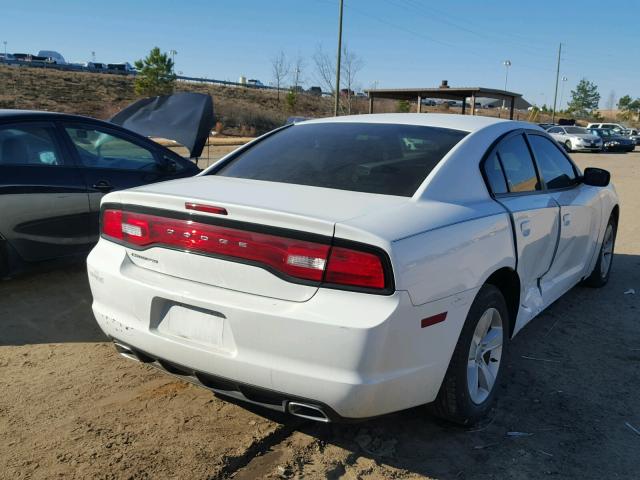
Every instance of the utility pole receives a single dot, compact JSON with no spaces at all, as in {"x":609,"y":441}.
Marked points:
{"x":5,"y":49}
{"x":337,"y":102}
{"x":555,"y":96}
{"x":173,"y":60}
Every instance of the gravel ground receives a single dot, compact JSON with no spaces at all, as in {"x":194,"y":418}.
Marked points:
{"x":70,"y":407}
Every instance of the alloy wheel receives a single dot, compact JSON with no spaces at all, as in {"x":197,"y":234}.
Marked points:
{"x":485,"y":354}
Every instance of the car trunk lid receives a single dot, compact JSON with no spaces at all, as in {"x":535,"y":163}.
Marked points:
{"x":270,"y":212}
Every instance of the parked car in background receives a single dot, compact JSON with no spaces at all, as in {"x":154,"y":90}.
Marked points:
{"x":613,"y":142}
{"x":575,"y":139}
{"x":255,"y":83}
{"x":607,"y":126}
{"x":355,"y":266}
{"x":633,"y":134}
{"x":316,"y":91}
{"x":54,"y":170}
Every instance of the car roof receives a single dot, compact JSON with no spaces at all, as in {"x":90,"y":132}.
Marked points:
{"x":467,"y":123}
{"x":26,"y":114}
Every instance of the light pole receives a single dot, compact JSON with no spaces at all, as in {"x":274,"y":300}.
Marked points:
{"x":5,"y":49}
{"x":337,"y":102}
{"x":93,"y":56}
{"x":564,"y":79}
{"x":507,"y":64}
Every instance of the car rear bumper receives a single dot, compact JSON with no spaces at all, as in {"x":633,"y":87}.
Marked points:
{"x":355,"y":355}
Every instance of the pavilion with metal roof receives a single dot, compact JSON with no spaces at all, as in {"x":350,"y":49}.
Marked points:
{"x":445,"y":92}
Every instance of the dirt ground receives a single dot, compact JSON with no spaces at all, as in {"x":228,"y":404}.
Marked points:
{"x":71,"y":408}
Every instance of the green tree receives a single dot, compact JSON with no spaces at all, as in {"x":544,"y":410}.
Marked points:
{"x":291,"y":99}
{"x":404,"y":106}
{"x":628,"y":107}
{"x":155,"y":74}
{"x":584,"y":99}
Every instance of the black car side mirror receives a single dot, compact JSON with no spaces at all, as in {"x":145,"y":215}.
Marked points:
{"x":596,"y":177}
{"x":168,"y":165}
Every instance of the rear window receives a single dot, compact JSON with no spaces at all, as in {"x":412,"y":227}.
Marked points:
{"x":361,"y":157}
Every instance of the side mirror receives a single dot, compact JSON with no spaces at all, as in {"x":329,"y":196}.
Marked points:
{"x":596,"y":177}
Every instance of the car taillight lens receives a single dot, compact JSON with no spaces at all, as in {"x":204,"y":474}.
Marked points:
{"x":300,"y":259}
{"x":353,"y":267}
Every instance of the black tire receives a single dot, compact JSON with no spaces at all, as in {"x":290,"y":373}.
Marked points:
{"x":454,"y":401}
{"x":567,"y":146}
{"x":598,"y":277}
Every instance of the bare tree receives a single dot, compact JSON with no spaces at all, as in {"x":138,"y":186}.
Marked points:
{"x":280,"y":69}
{"x":297,"y":71}
{"x":351,"y":66}
{"x":325,"y":69}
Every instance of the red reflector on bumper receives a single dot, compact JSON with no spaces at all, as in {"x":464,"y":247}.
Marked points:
{"x":427,"y":322}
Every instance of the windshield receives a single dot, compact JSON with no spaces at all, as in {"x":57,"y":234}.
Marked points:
{"x":362,"y":157}
{"x":576,"y":130}
{"x":600,"y":132}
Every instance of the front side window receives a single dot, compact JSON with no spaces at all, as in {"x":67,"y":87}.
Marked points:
{"x":555,"y":168}
{"x":100,"y":149}
{"x":29,"y":145}
{"x":518,"y":165}
{"x":363,"y":157}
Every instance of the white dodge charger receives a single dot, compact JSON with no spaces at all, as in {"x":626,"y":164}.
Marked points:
{"x":349,"y":267}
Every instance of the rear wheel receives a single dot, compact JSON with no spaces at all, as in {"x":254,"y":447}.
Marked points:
{"x":600,"y":275}
{"x":469,"y":387}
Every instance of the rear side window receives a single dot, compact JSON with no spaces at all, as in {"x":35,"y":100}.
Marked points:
{"x":555,"y":168}
{"x":493,"y":172}
{"x":361,"y":157}
{"x":29,"y":145}
{"x":518,"y":165}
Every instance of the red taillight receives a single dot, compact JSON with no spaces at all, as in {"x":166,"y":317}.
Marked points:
{"x":301,"y":259}
{"x":112,"y":223}
{"x":356,"y":268}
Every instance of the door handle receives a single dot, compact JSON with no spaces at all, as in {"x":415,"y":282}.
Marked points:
{"x":566,"y":219}
{"x":525,"y":227}
{"x":102,"y":186}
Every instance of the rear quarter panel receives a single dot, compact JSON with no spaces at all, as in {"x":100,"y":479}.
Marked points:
{"x":452,"y":259}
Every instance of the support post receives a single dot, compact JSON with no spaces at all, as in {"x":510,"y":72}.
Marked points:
{"x":512,"y":107}
{"x":419,"y":109}
{"x":473,"y":104}
{"x":370,"y":104}
{"x":464,"y":105}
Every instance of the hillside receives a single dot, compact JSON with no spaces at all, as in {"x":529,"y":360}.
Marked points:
{"x":242,"y":111}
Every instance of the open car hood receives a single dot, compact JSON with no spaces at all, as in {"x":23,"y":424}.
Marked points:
{"x":184,"y":117}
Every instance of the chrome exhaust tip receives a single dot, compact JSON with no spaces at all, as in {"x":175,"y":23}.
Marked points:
{"x":125,"y":351}
{"x":307,"y":411}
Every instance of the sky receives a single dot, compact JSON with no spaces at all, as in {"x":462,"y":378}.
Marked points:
{"x":402,"y":43}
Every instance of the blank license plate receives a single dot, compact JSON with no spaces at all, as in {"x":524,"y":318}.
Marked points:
{"x":194,"y":325}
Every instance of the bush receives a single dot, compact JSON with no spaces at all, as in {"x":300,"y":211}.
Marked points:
{"x":404,"y":106}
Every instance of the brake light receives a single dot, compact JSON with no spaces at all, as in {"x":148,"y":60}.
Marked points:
{"x":354,"y":267}
{"x":300,"y":259}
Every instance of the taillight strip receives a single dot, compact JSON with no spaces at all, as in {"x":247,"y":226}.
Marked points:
{"x":321,"y":260}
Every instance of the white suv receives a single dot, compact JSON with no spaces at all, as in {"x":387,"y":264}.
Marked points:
{"x":607,"y":126}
